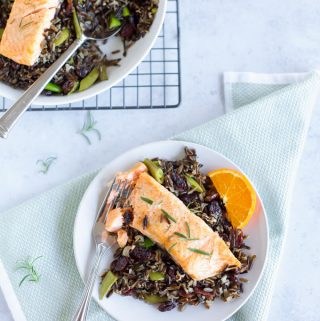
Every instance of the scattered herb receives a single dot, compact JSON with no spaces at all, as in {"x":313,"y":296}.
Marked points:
{"x":28,"y":266}
{"x":190,"y":239}
{"x":145,"y":222}
{"x":168,"y":216}
{"x":46,"y":164}
{"x":89,"y":126}
{"x":147,"y":200}
{"x":188,"y":229}
{"x":199,"y":251}
{"x":171,"y":247}
{"x":180,"y":234}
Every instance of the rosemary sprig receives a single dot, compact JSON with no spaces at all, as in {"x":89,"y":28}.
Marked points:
{"x":89,"y":126}
{"x":27,"y":265}
{"x":46,"y":164}
{"x":147,"y":200}
{"x":168,"y":216}
{"x":180,"y":235}
{"x":198,"y":251}
{"x":171,"y":247}
{"x":188,"y":230}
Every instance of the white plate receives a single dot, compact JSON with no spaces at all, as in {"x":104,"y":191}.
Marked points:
{"x":136,"y":310}
{"x":127,"y":64}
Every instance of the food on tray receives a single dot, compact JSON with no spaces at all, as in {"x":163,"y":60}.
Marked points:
{"x":177,"y":244}
{"x":34,"y":33}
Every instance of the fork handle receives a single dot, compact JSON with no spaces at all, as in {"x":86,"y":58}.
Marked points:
{"x":82,"y":311}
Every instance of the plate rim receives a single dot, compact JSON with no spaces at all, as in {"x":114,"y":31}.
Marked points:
{"x":14,"y":94}
{"x":195,"y":145}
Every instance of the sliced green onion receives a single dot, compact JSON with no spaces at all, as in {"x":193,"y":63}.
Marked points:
{"x":90,"y":79}
{"x":154,"y":10}
{"x":194,"y":184}
{"x":103,"y":73}
{"x":76,"y":24}
{"x":53,"y":87}
{"x":107,"y":284}
{"x":64,"y":36}
{"x":1,"y":32}
{"x":74,"y":88}
{"x":126,"y":12}
{"x":114,"y":22}
{"x":147,"y":243}
{"x":155,"y":171}
{"x":156,"y":276}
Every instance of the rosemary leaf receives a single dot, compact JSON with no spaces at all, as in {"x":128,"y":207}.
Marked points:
{"x":46,"y":164}
{"x":31,"y":273}
{"x":89,"y":127}
{"x":147,"y":200}
{"x":168,"y":216}
{"x":198,"y":251}
{"x":171,"y":247}
{"x":181,"y":235}
{"x":188,"y":230}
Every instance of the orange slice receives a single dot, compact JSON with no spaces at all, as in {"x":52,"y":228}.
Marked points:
{"x":237,"y":194}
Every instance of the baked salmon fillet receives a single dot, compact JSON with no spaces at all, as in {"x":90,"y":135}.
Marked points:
{"x":192,"y":244}
{"x":23,"y":35}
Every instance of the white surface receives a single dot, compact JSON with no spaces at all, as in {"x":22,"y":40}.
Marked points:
{"x":136,"y":54}
{"x":261,"y":36}
{"x":84,"y":248}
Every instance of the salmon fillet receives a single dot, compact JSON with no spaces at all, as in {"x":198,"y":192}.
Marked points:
{"x":162,"y":217}
{"x":23,"y":35}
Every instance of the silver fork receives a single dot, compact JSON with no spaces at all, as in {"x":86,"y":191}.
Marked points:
{"x":103,"y":240}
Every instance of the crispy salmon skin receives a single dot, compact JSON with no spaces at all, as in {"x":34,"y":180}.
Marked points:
{"x":23,"y":35}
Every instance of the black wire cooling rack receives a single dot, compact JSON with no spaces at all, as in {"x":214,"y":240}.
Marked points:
{"x":155,"y":83}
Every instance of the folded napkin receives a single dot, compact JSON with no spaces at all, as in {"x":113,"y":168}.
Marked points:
{"x":265,"y":137}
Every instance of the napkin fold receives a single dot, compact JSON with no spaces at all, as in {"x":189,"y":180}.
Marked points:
{"x":265,"y":137}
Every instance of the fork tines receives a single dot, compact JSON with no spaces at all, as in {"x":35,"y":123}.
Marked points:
{"x":117,"y":196}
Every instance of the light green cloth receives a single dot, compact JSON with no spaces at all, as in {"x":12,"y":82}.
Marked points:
{"x":265,"y":138}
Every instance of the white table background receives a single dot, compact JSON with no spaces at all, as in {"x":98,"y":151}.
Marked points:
{"x":261,"y":36}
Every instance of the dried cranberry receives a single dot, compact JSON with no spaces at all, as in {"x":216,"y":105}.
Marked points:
{"x":184,"y":294}
{"x":166,"y":306}
{"x":140,"y":254}
{"x":199,"y":291}
{"x":119,"y":264}
{"x":179,"y":182}
{"x":127,"y":292}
